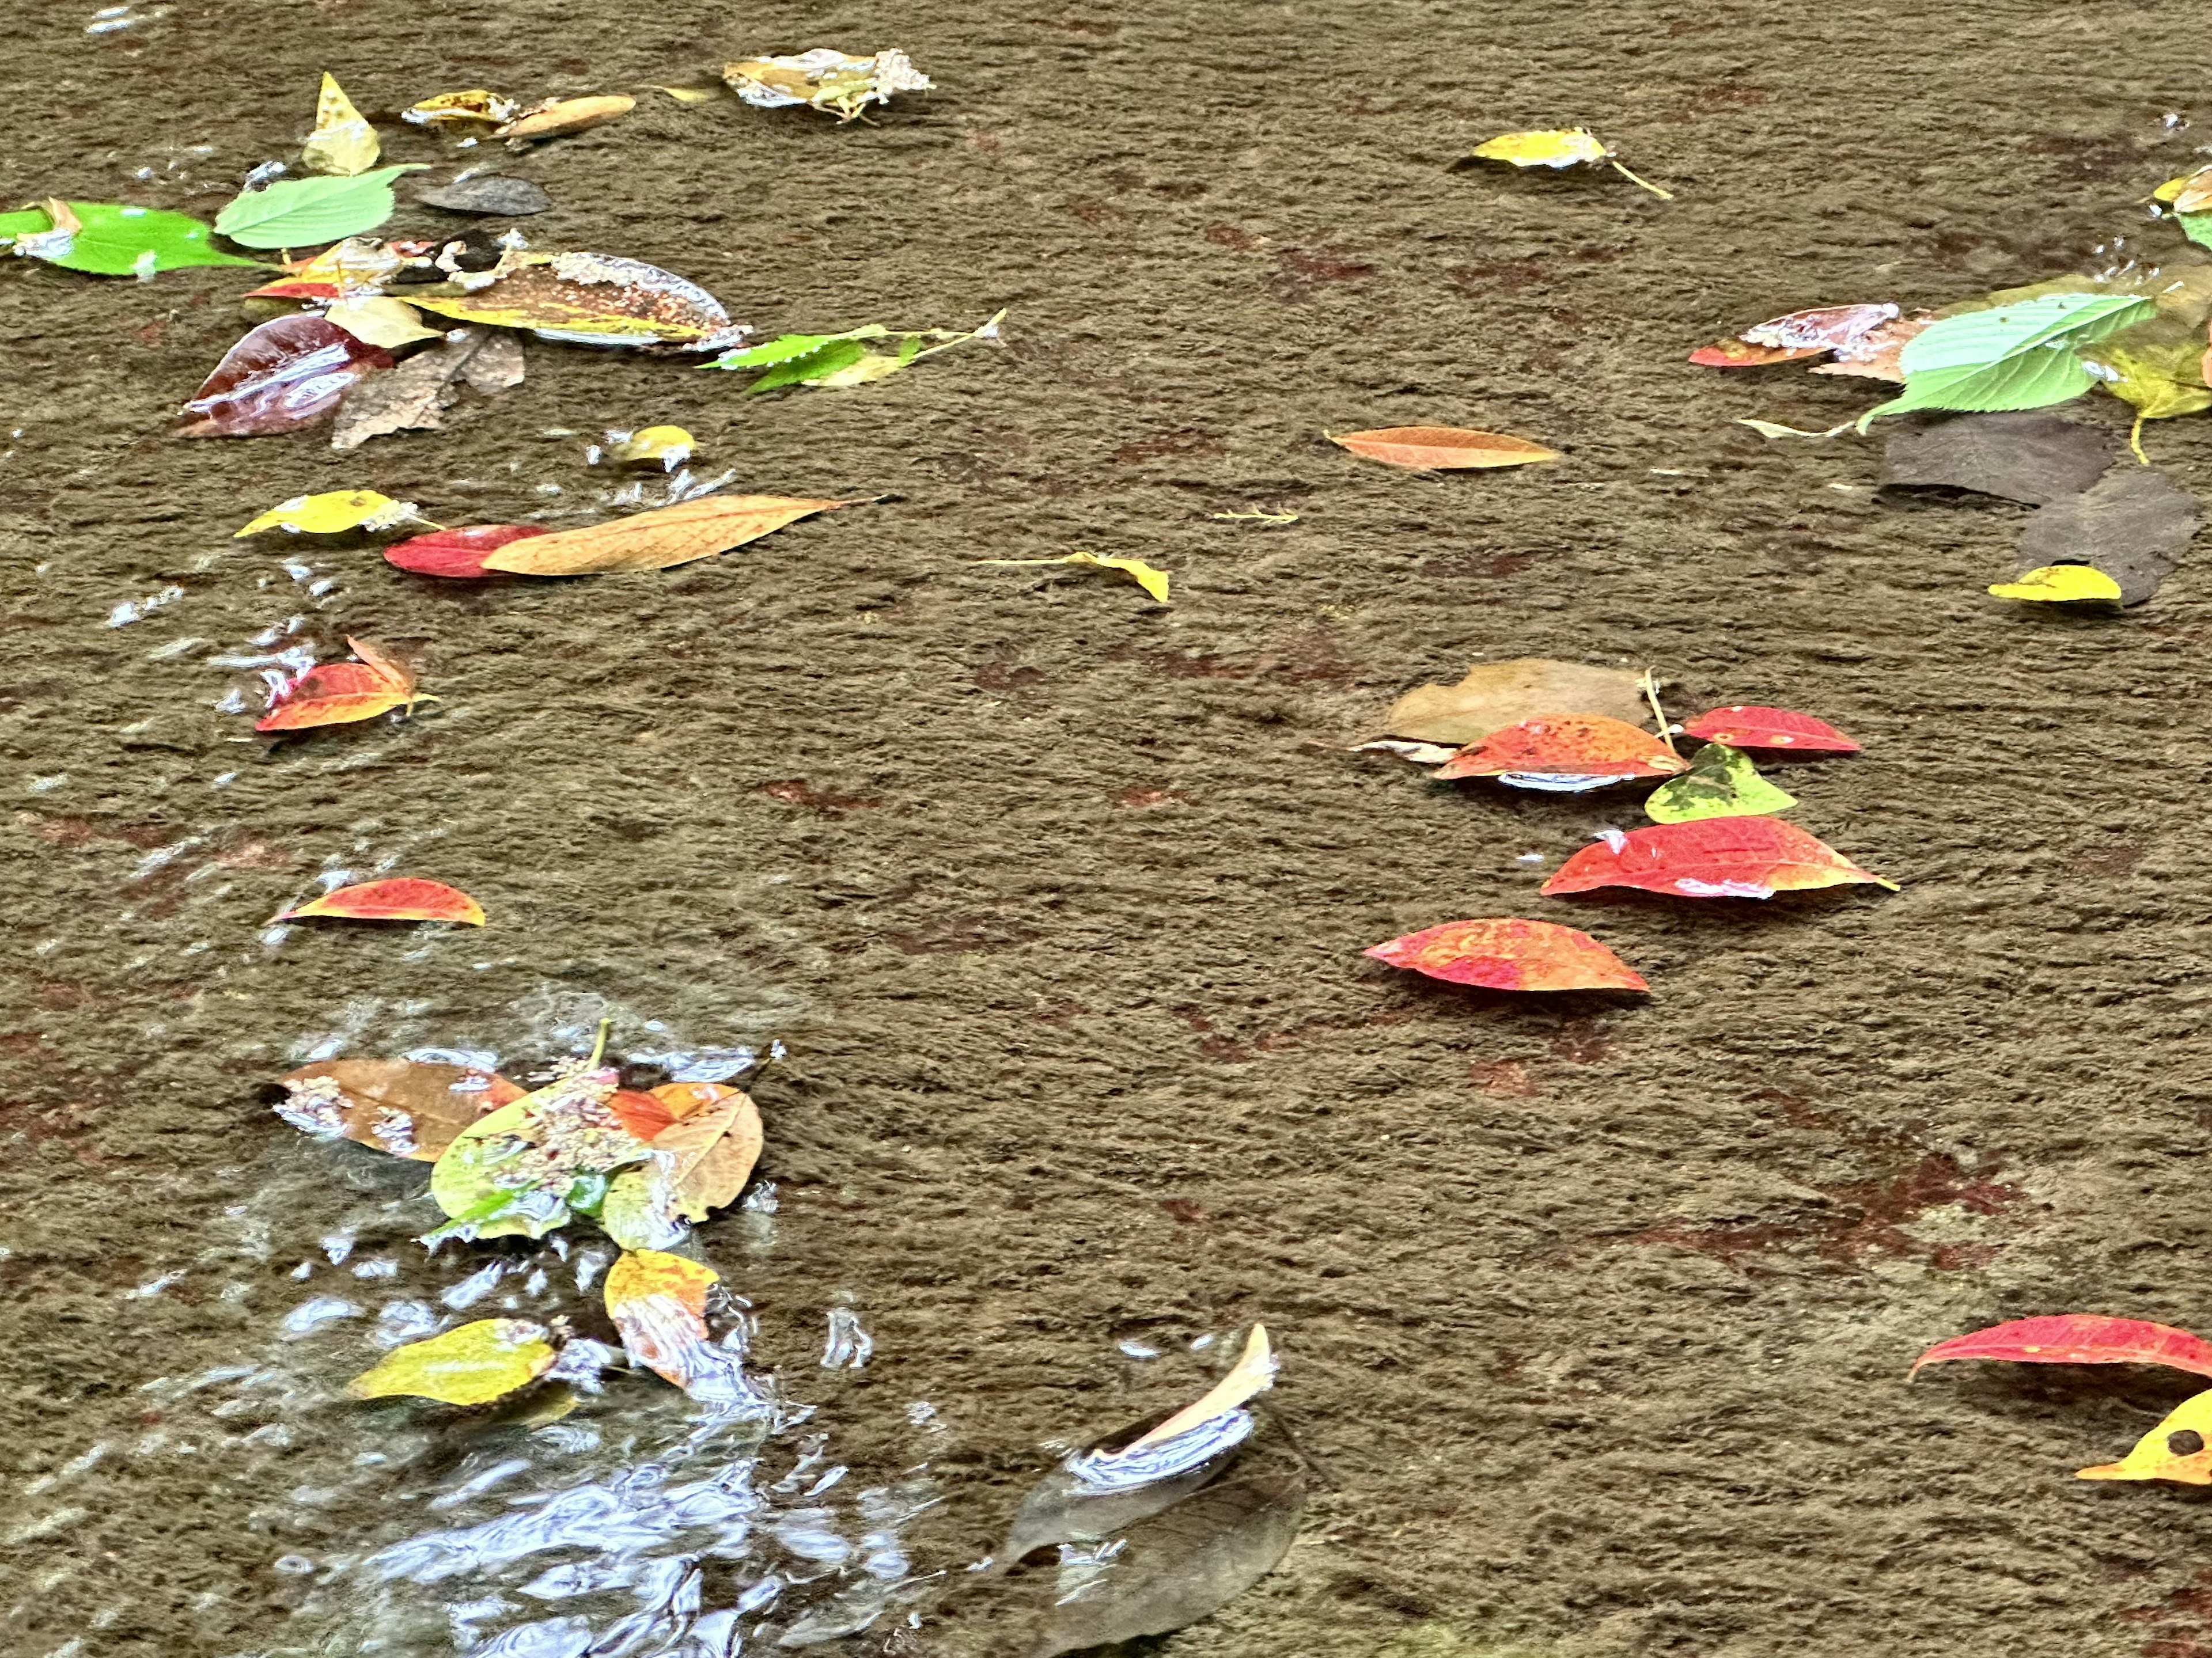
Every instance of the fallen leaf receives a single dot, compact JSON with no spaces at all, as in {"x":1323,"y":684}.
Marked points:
{"x":342,"y":142}
{"x":1722,"y":782}
{"x":2009,"y":356}
{"x":714,"y":1175}
{"x":342,"y":693}
{"x":462,"y":109}
{"x":1495,"y":695}
{"x":1419,"y":754}
{"x":2191,"y":193}
{"x":402,"y":899}
{"x":492,"y":194}
{"x":333,"y":510}
{"x":590,"y":299}
{"x":381,"y":321}
{"x":1441,"y":448}
{"x":2134,"y":526}
{"x":288,"y":373}
{"x":2179,"y":1448}
{"x":1737,"y":354}
{"x":562,"y":115}
{"x":1711,"y":858}
{"x":1750,"y":725}
{"x":2061,"y":584}
{"x":1877,"y":353}
{"x":306,"y":212}
{"x":2157,"y":374}
{"x":1558,"y":148}
{"x":665,"y":447}
{"x":1509,"y":954}
{"x":1253,"y":1372}
{"x":415,"y":395}
{"x":408,"y":1107}
{"x":2078,"y":1338}
{"x":2020,"y":456}
{"x":356,"y":267}
{"x":471,"y":1365}
{"x":1767,"y":429}
{"x":1565,"y":752}
{"x":1153,"y":581}
{"x":837,"y":361}
{"x":103,"y":239}
{"x":825,"y":79}
{"x":659,"y":539}
{"x":693,"y":94}
{"x":659,"y":1302}
{"x":1798,"y":335}
{"x":458,"y":555}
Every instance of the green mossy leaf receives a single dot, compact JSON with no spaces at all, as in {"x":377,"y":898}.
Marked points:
{"x":1721,"y":782}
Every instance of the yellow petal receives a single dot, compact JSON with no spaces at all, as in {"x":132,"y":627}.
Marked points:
{"x":333,"y":510}
{"x":1564,"y":146}
{"x":342,"y":142}
{"x":2062,"y":584}
{"x":381,"y":321}
{"x":2156,"y":1455}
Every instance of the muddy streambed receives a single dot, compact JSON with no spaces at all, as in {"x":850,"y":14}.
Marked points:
{"x":1595,"y":1316}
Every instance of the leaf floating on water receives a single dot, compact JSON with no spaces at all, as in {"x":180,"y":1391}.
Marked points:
{"x":2011,"y":356}
{"x":557,"y":116}
{"x":665,"y":447}
{"x":1713,"y":858}
{"x":2023,"y":456}
{"x":305,"y":212}
{"x":456,"y":554}
{"x":2133,"y":527}
{"x":342,"y":142}
{"x":1153,"y":581}
{"x":2158,"y":377}
{"x":415,"y":395}
{"x":659,"y":1302}
{"x":1568,"y":752}
{"x":1751,"y":726}
{"x":659,"y":539}
{"x":463,"y":109}
{"x":471,"y":1365}
{"x":402,"y":899}
{"x":1495,"y":695}
{"x":2179,"y":1448}
{"x":837,"y":361}
{"x":525,"y":1170}
{"x":408,"y":1107}
{"x":2061,"y":584}
{"x":342,"y":693}
{"x":1558,"y":148}
{"x":1722,"y":782}
{"x":288,"y":373}
{"x":333,"y":510}
{"x":826,"y":80}
{"x":1875,"y":354}
{"x":381,"y":321}
{"x":591,"y":298}
{"x":102,"y":238}
{"x":1441,"y":448}
{"x":1509,"y":954}
{"x":1801,"y":334}
{"x":693,"y":94}
{"x":715,"y":1142}
{"x":491,"y":195}
{"x":2078,"y":1338}
{"x":1253,"y":1372}
{"x":1737,"y":353}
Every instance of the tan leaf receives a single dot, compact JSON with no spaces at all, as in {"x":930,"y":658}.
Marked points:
{"x":658,"y":539}
{"x":716,"y":1144}
{"x":589,"y":299}
{"x":1874,"y":354}
{"x":1442,"y":448}
{"x":410,"y":1108}
{"x":1254,"y":1372}
{"x":550,"y":120}
{"x":1496,"y":694}
{"x":415,"y":395}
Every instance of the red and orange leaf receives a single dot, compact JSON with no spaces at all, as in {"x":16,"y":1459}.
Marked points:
{"x":1740,"y":354}
{"x":1749,"y":725}
{"x":404,"y":899}
{"x":681,"y":1099}
{"x":1567,"y":744}
{"x":457,"y":554}
{"x":1710,"y":858}
{"x":1442,"y":448}
{"x":642,"y":1112}
{"x":2078,"y":1338}
{"x":337,"y":693}
{"x":1511,"y":954}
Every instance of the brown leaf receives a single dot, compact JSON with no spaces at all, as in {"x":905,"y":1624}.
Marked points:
{"x":408,"y":1107}
{"x":1442,"y":448}
{"x":2134,"y":526}
{"x":2026,"y":455}
{"x":492,"y":194}
{"x":716,"y":1142}
{"x":657,"y":540}
{"x":1874,"y":356}
{"x":1496,"y":694}
{"x":415,"y":395}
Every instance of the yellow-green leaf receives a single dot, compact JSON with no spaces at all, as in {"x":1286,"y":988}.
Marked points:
{"x":1721,"y":782}
{"x":336,"y":510}
{"x":1558,"y":146}
{"x":460,"y":109}
{"x":342,"y":142}
{"x":665,"y":447}
{"x":2062,"y":584}
{"x":382,"y":321}
{"x":473,"y":1365}
{"x":1153,"y":581}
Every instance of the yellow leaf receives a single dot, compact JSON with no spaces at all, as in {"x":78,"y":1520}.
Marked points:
{"x":381,"y":321}
{"x":2062,"y":584}
{"x":658,"y":539}
{"x":342,"y":142}
{"x":2156,"y":1456}
{"x":1153,"y":581}
{"x":463,"y":109}
{"x":659,"y":1302}
{"x":691,"y":95}
{"x":1254,"y":1372}
{"x":665,"y":447}
{"x":560,"y":115}
{"x":591,"y":298}
{"x":1561,"y":147}
{"x":473,"y":1365}
{"x":336,"y":510}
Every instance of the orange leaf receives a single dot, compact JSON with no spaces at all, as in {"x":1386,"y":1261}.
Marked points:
{"x":1740,"y":354}
{"x":1582,"y":746}
{"x":715,"y":1140}
{"x":1710,"y":858}
{"x":2078,"y":1338}
{"x":659,"y":1302}
{"x":404,"y":899}
{"x":1511,"y":954}
{"x":642,"y":1112}
{"x":410,"y":1108}
{"x":1749,"y":725}
{"x":562,"y":115}
{"x":656,"y":540}
{"x":337,"y":693}
{"x":1441,"y":448}
{"x":681,"y":1099}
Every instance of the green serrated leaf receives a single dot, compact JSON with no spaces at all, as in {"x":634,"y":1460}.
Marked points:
{"x":1721,"y":782}
{"x":785,"y":347}
{"x":471,"y":1365}
{"x":117,"y":239}
{"x":818,"y":364}
{"x":2197,"y":227}
{"x":309,"y":212}
{"x":2016,"y":357}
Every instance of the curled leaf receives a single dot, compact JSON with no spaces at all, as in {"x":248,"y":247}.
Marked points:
{"x":592,"y":299}
{"x":2179,"y":1448}
{"x":333,"y":510}
{"x":1800,"y":334}
{"x":1441,"y":448}
{"x":463,"y":109}
{"x":381,"y":321}
{"x":1494,"y":695}
{"x":2078,"y":1338}
{"x":307,"y":212}
{"x":1569,"y":752}
{"x":471,"y":1365}
{"x":1511,"y":954}
{"x":665,"y":447}
{"x":1722,"y":782}
{"x":1153,"y":581}
{"x":403,"y":899}
{"x":658,"y":539}
{"x":561,"y":115}
{"x":659,"y":1302}
{"x":342,"y":142}
{"x":2061,"y":584}
{"x":825,"y":79}
{"x":415,"y":395}
{"x":1749,"y":725}
{"x":1710,"y":858}
{"x":288,"y":373}
{"x":458,"y":555}
{"x":408,"y":1107}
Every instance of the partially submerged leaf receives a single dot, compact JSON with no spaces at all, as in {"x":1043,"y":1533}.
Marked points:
{"x":457,"y":554}
{"x":400,"y":899}
{"x":463,"y":109}
{"x":2011,"y":356}
{"x":2179,"y":1448}
{"x":471,"y":1365}
{"x":1752,"y":726}
{"x":491,"y":195}
{"x":557,"y":116}
{"x":2158,"y":375}
{"x":715,"y":1139}
{"x":1494,"y":695}
{"x":2021,"y":456}
{"x":591,"y":298}
{"x":840,"y":360}
{"x":1153,"y":581}
{"x":1722,"y":782}
{"x":381,"y":321}
{"x":659,"y":1302}
{"x":342,"y":142}
{"x":103,"y":239}
{"x":415,"y":395}
{"x":1561,"y":147}
{"x":2078,"y":1338}
{"x":826,"y":80}
{"x":1800,"y":334}
{"x":1566,"y":751}
{"x":333,"y":510}
{"x":408,"y":1107}
{"x":1441,"y":448}
{"x":528,"y":1166}
{"x":2133,"y":527}
{"x":288,"y":373}
{"x":2060,"y":584}
{"x":665,"y":447}
{"x":1710,"y":858}
{"x":1511,"y":954}
{"x":1253,"y":1372}
{"x":358,"y":266}
{"x":657,"y":540}
{"x":1740,"y":354}
{"x":1876,"y":355}
{"x":341,"y":692}
{"x":305,"y":212}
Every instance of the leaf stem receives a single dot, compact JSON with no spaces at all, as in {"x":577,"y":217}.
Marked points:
{"x":1663,"y":195}
{"x":1650,"y":684}
{"x":2134,"y":440}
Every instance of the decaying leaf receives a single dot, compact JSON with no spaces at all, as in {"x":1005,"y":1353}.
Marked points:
{"x":491,"y":195}
{"x":1751,"y":726}
{"x":1419,"y":754}
{"x":381,"y":321}
{"x":415,"y":395}
{"x":400,"y":899}
{"x":836,"y":362}
{"x":1153,"y":581}
{"x":659,"y":1302}
{"x":2179,"y":1448}
{"x":1566,"y":753}
{"x":333,"y":510}
{"x":2133,"y":527}
{"x":103,"y":239}
{"x":1441,"y":448}
{"x":665,"y":447}
{"x":457,"y":554}
{"x":463,"y":109}
{"x":1511,"y":954}
{"x":1495,"y":695}
{"x":2020,"y":455}
{"x":557,"y":116}
{"x":307,"y":212}
{"x":1722,"y":782}
{"x":716,"y":1138}
{"x":2158,"y":370}
{"x":471,"y":1365}
{"x":342,"y":142}
{"x":1800,"y":334}
{"x":1711,"y":858}
{"x":826,"y":80}
{"x":590,"y":299}
{"x":1876,"y":355}
{"x":657,"y":540}
{"x":356,"y":267}
{"x":288,"y":372}
{"x":2060,"y":584}
{"x":341,"y":692}
{"x":1558,"y":148}
{"x":2009,"y":356}
{"x":2078,"y":1338}
{"x":408,"y":1107}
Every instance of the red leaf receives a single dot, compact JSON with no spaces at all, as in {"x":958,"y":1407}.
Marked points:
{"x":1567,"y":745}
{"x":401,"y":900}
{"x":337,"y":693}
{"x":1747,"y":725}
{"x":1511,"y":954}
{"x":2078,"y":1338}
{"x":285,"y":374}
{"x":642,"y":1113}
{"x":1710,"y":858}
{"x":459,"y":554}
{"x":1736,"y":354}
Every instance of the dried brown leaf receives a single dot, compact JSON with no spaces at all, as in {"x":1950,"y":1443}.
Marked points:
{"x":657,"y":540}
{"x":415,"y":395}
{"x":1496,"y":694}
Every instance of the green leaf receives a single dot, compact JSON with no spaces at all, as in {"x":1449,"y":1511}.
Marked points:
{"x":467,"y":1181}
{"x":815,"y":365}
{"x":785,"y":347}
{"x":2197,"y":227}
{"x":640,"y":1213}
{"x":473,"y":1365}
{"x":117,"y":240}
{"x":1721,"y":782}
{"x":308,"y":212}
{"x":2016,"y":357}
